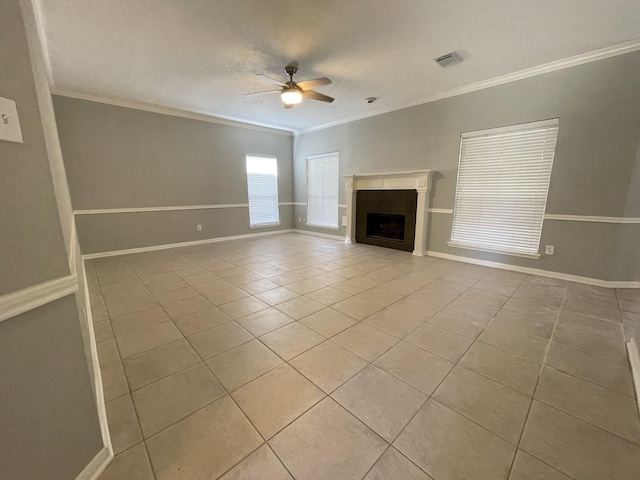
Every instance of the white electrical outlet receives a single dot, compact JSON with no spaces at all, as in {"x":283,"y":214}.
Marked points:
{"x":9,"y":123}
{"x":549,"y":250}
{"x":199,"y":227}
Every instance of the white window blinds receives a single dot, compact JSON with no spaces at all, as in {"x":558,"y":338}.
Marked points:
{"x":262,"y":182}
{"x":322,"y":190}
{"x":503,"y":181}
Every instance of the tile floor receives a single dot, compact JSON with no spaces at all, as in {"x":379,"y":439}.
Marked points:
{"x":293,"y":356}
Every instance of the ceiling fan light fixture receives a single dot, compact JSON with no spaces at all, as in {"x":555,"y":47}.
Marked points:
{"x":291,"y":96}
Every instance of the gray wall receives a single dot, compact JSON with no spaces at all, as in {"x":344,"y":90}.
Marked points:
{"x":48,"y":419}
{"x":120,"y":157}
{"x":596,"y":158}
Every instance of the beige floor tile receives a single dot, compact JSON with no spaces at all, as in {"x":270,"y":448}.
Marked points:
{"x":476,"y":310}
{"x":381,"y":296}
{"x":380,"y":400}
{"x":98,"y":309}
{"x":434,"y":296}
{"x":212,"y":285}
{"x":497,"y":408}
{"x":630,"y":294}
{"x":328,"y":443}
{"x":599,"y":406}
{"x":123,"y":424}
{"x":187,"y":306}
{"x":393,"y":322}
{"x":120,"y":287}
{"x":226,"y":295}
{"x":133,"y":322}
{"x":365,"y":341}
{"x":118,"y":306}
{"x":159,"y":362}
{"x":306,"y":286}
{"x":166,"y":401}
{"x":577,"y":448}
{"x":130,"y":464}
{"x":492,"y":287}
{"x":291,"y":340}
{"x":526,"y":467}
{"x":175,"y":295}
{"x":219,"y":339}
{"x":277,"y":295}
{"x":264,"y":321}
{"x":532,"y":309}
{"x":417,"y":367}
{"x":605,"y":373}
{"x":516,"y":342}
{"x":591,"y":310}
{"x":328,"y":279}
{"x":202,"y":320}
{"x":260,"y":464}
{"x":328,"y":365}
{"x":299,"y":307}
{"x":437,"y":434}
{"x":395,"y":465}
{"x":107,"y":352}
{"x":275,"y":399}
{"x":503,"y":367}
{"x":490,"y":298}
{"x":590,"y":294}
{"x":259,"y":286}
{"x":328,"y":296}
{"x":357,"y":307}
{"x":591,"y":343}
{"x":539,"y":326}
{"x":457,"y":322}
{"x":442,"y":342}
{"x":102,"y":330}
{"x":177,"y":453}
{"x":413,"y":308}
{"x":240,"y":365}
{"x":147,"y":338}
{"x":114,"y":381}
{"x":328,"y":322}
{"x":243,"y":307}
{"x":628,"y":306}
{"x":243,"y":278}
{"x":591,"y":324}
{"x":549,"y":296}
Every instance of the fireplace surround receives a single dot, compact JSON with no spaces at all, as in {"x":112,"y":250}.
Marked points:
{"x":416,"y":180}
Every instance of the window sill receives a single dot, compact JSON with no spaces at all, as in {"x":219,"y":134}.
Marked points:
{"x":534,"y":256}
{"x":321,"y":226}
{"x":265,"y":225}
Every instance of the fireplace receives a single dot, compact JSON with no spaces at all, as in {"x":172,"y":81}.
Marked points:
{"x":389,"y":209}
{"x":386,"y":218}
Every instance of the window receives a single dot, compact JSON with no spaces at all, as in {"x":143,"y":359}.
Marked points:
{"x":262,"y":182}
{"x":322,"y":190}
{"x":503,"y":180}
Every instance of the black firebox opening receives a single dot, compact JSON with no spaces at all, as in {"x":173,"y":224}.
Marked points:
{"x":386,"y":227}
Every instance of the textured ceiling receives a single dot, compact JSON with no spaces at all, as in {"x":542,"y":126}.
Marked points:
{"x":203,"y":55}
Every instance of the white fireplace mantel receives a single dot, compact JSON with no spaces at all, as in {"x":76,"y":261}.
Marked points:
{"x":419,"y":180}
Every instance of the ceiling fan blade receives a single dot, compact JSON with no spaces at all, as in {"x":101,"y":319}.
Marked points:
{"x":261,"y":93}
{"x":317,"y":96}
{"x":316,"y":82}
{"x":272,"y":80}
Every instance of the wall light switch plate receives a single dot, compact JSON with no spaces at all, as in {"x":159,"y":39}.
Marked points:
{"x":9,"y":123}
{"x":549,"y":250}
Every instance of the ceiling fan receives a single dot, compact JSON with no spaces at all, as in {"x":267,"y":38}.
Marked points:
{"x":292,"y":92}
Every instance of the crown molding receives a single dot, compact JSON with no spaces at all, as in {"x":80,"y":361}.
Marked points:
{"x":41,"y":29}
{"x":174,"y":112}
{"x":615,"y":50}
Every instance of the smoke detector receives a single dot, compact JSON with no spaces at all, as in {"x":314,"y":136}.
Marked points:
{"x":447,"y":60}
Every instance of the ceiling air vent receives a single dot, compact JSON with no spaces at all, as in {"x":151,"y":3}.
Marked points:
{"x":449,"y":59}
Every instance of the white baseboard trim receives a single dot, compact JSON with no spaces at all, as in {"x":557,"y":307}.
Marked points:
{"x":15,"y":303}
{"x":537,"y":271}
{"x":319,"y":234}
{"x":634,"y":361}
{"x":165,"y":246}
{"x":98,"y":465}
